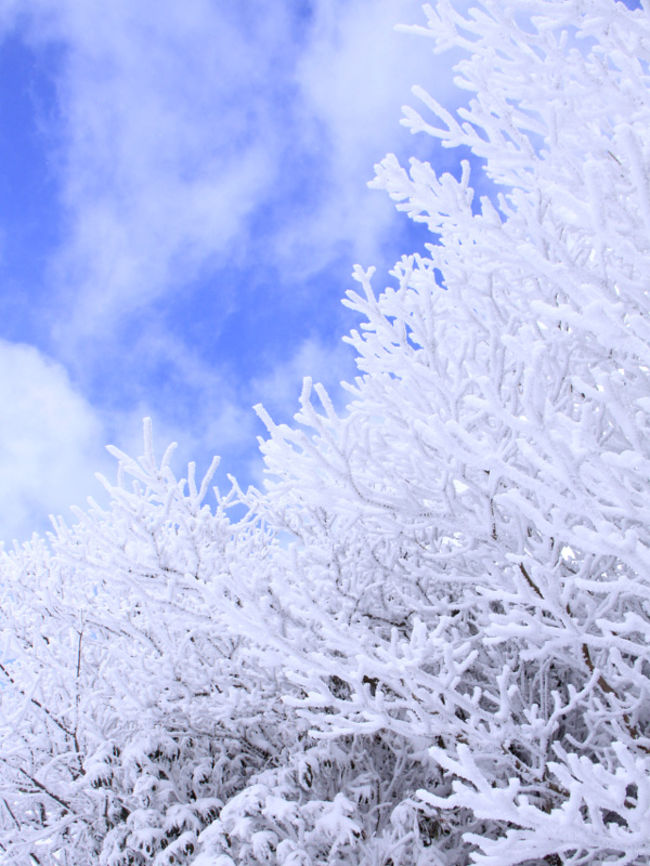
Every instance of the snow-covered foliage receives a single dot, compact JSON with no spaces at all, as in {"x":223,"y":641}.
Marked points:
{"x":448,"y":661}
{"x":130,"y":710}
{"x":473,"y":550}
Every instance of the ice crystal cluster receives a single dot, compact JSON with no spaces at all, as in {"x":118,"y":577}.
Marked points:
{"x":427,"y":640}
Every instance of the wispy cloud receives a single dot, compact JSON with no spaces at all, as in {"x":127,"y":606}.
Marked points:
{"x":49,"y":441}
{"x":182,"y":126}
{"x":355,"y":77}
{"x":162,"y":157}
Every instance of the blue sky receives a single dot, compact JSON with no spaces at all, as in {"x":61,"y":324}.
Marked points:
{"x":182,"y":198}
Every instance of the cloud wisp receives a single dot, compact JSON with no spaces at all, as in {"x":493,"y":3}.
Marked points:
{"x":50,"y":441}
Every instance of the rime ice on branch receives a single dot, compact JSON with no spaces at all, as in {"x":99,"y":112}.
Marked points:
{"x":473,"y":546}
{"x":447,"y":662}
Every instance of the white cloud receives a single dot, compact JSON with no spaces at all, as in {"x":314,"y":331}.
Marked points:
{"x":358,"y":73}
{"x":51,"y":442}
{"x":355,"y":77}
{"x":8,"y":14}
{"x":162,"y":160}
{"x":181,"y":122}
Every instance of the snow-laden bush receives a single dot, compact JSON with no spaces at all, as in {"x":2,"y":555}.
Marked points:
{"x":130,"y":710}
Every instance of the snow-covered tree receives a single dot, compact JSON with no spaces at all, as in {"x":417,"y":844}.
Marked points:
{"x":472,"y":535}
{"x":130,"y":710}
{"x":427,"y":641}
